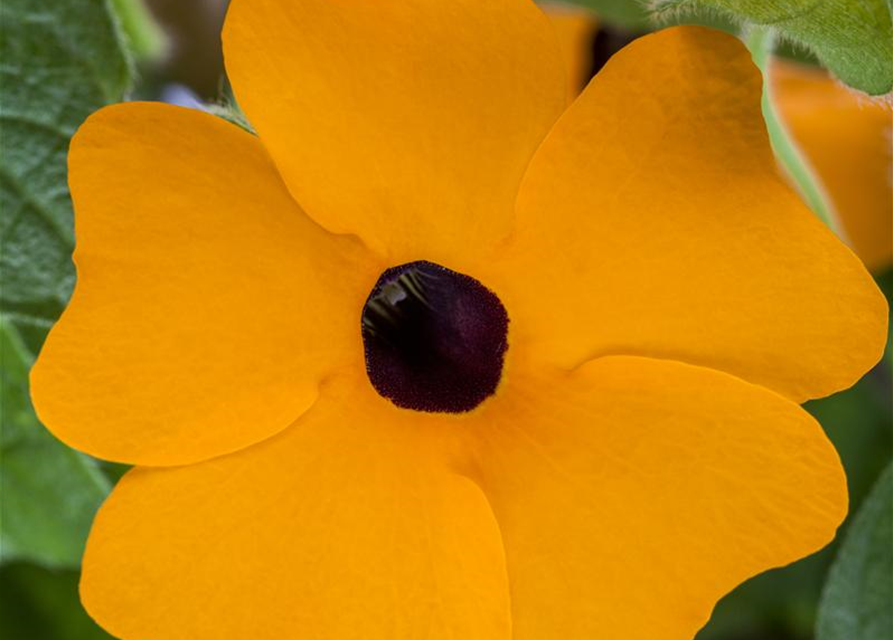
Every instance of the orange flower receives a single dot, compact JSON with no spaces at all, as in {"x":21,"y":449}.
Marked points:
{"x":624,"y":455}
{"x":849,"y":142}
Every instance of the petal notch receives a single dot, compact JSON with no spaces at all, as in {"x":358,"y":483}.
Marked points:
{"x":350,"y":525}
{"x":632,"y":494}
{"x":408,"y":122}
{"x":208,"y":306}
{"x":652,"y":222}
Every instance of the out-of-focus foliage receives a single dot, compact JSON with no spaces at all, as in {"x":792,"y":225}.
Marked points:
{"x":42,"y":604}
{"x":194,"y":55}
{"x":48,"y":492}
{"x":146,"y":40}
{"x":61,"y":61}
{"x":852,"y":38}
{"x":859,"y":593}
{"x":630,"y":14}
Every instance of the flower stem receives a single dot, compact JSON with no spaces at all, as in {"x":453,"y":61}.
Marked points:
{"x":760,"y":41}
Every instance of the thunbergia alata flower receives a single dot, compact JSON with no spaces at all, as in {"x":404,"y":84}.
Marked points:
{"x":435,"y":355}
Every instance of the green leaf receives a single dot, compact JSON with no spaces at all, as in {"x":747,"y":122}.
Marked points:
{"x":856,"y":600}
{"x":852,"y":38}
{"x":61,"y":61}
{"x":48,"y":492}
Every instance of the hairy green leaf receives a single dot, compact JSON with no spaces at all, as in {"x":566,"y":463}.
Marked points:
{"x":61,"y":61}
{"x":856,"y":600}
{"x":852,"y":38}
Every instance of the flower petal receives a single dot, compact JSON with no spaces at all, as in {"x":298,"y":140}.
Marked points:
{"x":409,"y":122}
{"x":652,"y":222}
{"x":350,"y":524}
{"x":633,"y":493}
{"x":208,"y":306}
{"x":575,"y":28}
{"x":847,"y":139}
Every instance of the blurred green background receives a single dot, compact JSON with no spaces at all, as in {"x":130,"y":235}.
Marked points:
{"x":62,"y":59}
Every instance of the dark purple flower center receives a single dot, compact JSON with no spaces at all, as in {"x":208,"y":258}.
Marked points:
{"x":435,"y":339}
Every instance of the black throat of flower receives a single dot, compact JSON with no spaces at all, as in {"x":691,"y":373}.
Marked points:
{"x":434,"y":339}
